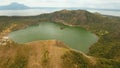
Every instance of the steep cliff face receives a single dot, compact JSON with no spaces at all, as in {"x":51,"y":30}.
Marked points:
{"x":48,"y":54}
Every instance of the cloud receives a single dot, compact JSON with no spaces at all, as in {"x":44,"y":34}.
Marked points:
{"x":67,"y":3}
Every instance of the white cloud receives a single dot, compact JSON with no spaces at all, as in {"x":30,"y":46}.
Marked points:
{"x":67,"y":3}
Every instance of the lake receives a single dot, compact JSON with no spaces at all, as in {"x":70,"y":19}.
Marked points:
{"x":76,"y":37}
{"x":34,"y":12}
{"x":26,"y":12}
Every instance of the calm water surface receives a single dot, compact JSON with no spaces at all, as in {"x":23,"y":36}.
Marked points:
{"x":33,"y":12}
{"x":78,"y":38}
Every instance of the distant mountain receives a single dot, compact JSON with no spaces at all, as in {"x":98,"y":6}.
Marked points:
{"x":14,"y":6}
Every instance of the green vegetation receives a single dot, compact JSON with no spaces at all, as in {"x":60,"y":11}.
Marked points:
{"x":45,"y":59}
{"x":107,"y":48}
{"x":14,"y":56}
{"x":105,"y":63}
{"x":72,"y":59}
{"x":40,"y":54}
{"x":105,"y":27}
{"x":20,"y":62}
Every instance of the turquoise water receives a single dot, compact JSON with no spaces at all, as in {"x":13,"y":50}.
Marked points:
{"x":76,"y":37}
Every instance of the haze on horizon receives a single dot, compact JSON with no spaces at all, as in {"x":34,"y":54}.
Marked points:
{"x":105,"y":4}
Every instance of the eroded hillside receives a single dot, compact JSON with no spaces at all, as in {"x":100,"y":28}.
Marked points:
{"x":48,"y":54}
{"x":106,"y":50}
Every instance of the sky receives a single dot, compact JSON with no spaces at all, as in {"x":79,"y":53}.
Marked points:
{"x":110,"y":4}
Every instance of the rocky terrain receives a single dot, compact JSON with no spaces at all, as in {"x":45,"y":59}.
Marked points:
{"x":55,"y":54}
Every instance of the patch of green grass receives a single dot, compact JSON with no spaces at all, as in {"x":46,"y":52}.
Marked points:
{"x":45,"y":59}
{"x":19,"y":62}
{"x":74,"y":59}
{"x":105,"y":63}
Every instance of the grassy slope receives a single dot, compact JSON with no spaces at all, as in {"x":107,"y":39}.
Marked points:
{"x":48,"y":54}
{"x":107,"y":28}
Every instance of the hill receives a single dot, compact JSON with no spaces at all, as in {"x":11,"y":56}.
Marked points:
{"x":48,"y":54}
{"x":105,"y":51}
{"x":14,"y":6}
{"x":105,"y":27}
